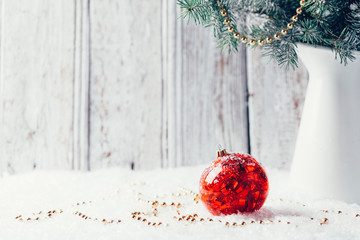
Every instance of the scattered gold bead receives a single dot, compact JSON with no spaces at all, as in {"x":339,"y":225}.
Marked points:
{"x":252,"y":221}
{"x":234,"y":224}
{"x":261,"y":42}
{"x":195,"y":215}
{"x":339,"y":212}
{"x":178,"y":205}
{"x":243,"y":223}
{"x":299,"y":10}
{"x":295,"y":18}
{"x":288,"y":222}
{"x":193,"y":220}
{"x":252,"y":42}
{"x":227,"y":21}
{"x":164,"y":204}
{"x":230,"y":29}
{"x":149,"y":223}
{"x":244,"y":39}
{"x":284,"y":31}
{"x":261,"y":222}
{"x":277,"y":36}
{"x":302,"y":3}
{"x":236,"y":35}
{"x":154,"y":224}
{"x":159,"y":223}
{"x":290,"y":25}
{"x":223,"y":13}
{"x":227,"y":224}
{"x":324,"y":221}
{"x":269,"y":40}
{"x":139,"y":218}
{"x":202,"y":219}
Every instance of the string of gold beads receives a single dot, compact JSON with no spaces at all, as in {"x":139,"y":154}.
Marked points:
{"x":39,"y":215}
{"x":95,"y":219}
{"x":260,"y":42}
{"x":156,"y":206}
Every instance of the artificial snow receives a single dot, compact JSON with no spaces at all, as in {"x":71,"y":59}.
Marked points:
{"x":114,"y":194}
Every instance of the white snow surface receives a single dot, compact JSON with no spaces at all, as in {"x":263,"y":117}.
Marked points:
{"x":114,"y":195}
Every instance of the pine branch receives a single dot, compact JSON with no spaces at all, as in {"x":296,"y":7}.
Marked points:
{"x":329,"y":23}
{"x":197,"y":10}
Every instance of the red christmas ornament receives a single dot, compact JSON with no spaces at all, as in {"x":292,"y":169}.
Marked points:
{"x":233,"y":183}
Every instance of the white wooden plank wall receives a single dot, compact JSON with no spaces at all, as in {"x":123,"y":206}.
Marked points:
{"x":204,"y":94}
{"x":36,"y":84}
{"x":126,"y":84}
{"x":276,"y":98}
{"x":90,"y":84}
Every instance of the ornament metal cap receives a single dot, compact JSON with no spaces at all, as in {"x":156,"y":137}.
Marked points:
{"x":221,"y":152}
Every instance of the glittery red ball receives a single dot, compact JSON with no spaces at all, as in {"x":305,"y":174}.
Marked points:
{"x":233,"y":183}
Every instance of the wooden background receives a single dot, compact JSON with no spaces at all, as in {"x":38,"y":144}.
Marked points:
{"x":90,"y":84}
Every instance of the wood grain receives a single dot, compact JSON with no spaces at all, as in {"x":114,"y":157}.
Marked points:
{"x":276,"y":98}
{"x":126,"y":92}
{"x":81,"y":95}
{"x":36,"y":84}
{"x":204,"y":94}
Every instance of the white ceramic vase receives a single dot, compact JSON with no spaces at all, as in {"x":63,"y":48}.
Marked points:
{"x":327,"y":154}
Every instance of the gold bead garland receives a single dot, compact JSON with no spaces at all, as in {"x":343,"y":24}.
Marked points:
{"x":260,"y":42}
{"x":147,"y":217}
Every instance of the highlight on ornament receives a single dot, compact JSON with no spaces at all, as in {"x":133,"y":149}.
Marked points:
{"x":233,"y":183}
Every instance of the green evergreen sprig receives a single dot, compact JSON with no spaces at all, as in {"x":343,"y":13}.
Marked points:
{"x":332,"y":23}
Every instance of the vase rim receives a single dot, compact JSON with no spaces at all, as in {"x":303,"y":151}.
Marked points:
{"x":300,"y":44}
